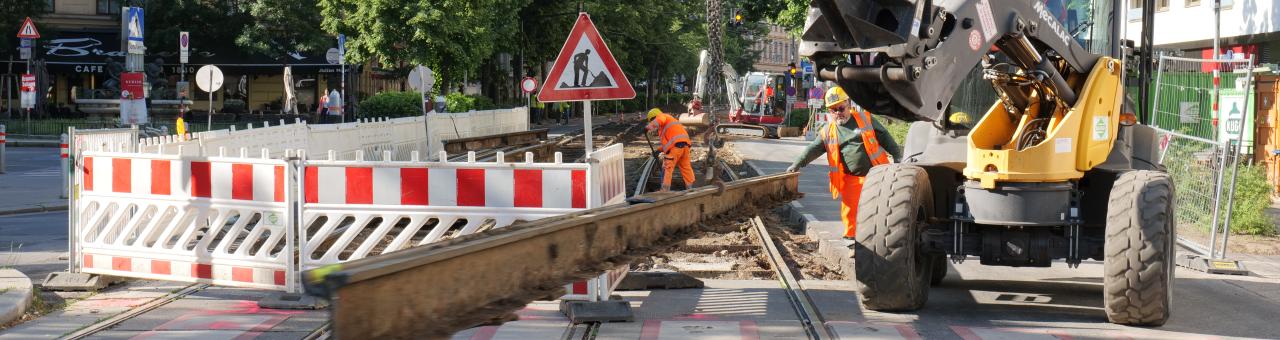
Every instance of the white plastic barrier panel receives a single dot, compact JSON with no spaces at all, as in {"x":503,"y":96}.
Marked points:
{"x":608,"y":176}
{"x":216,"y":220}
{"x":356,"y":209}
{"x":608,"y":186}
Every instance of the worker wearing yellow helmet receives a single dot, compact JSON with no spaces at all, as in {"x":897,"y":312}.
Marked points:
{"x":674,"y":147}
{"x":853,"y":142}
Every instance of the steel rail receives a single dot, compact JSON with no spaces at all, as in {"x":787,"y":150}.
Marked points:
{"x":803,"y":304}
{"x":117,"y":319}
{"x":435,"y":290}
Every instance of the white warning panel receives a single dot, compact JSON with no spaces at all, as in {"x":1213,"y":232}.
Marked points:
{"x":585,"y":69}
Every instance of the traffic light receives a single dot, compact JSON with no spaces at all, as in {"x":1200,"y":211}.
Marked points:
{"x":792,"y":69}
{"x":737,"y":17}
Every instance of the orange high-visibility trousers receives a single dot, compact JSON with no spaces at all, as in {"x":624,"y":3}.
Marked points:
{"x":673,"y":158}
{"x":849,"y":194}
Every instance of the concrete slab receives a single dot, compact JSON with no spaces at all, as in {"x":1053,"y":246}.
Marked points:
{"x":690,"y":329}
{"x":538,"y":320}
{"x":721,"y":300}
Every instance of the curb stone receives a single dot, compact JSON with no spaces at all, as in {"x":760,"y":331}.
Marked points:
{"x":17,"y":296}
{"x":33,"y":209}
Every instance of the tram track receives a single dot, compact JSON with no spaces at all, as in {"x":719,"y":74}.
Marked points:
{"x":116,"y":320}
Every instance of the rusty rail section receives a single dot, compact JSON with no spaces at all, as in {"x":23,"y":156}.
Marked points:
{"x":462,"y":145}
{"x":436,"y":290}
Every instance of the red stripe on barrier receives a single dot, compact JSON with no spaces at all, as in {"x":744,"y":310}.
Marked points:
{"x":579,"y":287}
{"x":528,"y":188}
{"x":121,"y":175}
{"x":242,"y":181}
{"x":160,"y":177}
{"x":88,"y":173}
{"x":311,"y":187}
{"x":471,"y":187}
{"x":279,"y":276}
{"x":359,"y":185}
{"x":279,"y":184}
{"x":579,"y":188}
{"x":121,"y":264}
{"x":413,"y":186}
{"x":242,"y":274}
{"x":201,"y":271}
{"x":200,"y":185}
{"x":87,"y":262}
{"x":161,"y":267}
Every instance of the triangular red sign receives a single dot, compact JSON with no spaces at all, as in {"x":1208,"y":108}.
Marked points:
{"x":28,"y":30}
{"x":593,"y":75}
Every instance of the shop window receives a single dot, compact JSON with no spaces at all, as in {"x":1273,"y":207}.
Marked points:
{"x":48,"y":6}
{"x":108,"y":6}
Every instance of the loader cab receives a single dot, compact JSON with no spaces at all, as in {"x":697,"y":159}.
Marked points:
{"x":1094,"y":24}
{"x":758,"y":107}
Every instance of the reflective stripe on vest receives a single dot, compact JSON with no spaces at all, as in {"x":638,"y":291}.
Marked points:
{"x":836,"y":176}
{"x":667,"y":126}
{"x":869,"y":140}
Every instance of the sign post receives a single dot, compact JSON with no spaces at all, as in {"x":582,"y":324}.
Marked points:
{"x":209,"y":79}
{"x":28,"y":33}
{"x":133,"y":104}
{"x":184,"y":54}
{"x":527,"y":86}
{"x":423,"y":79}
{"x":595,"y":74}
{"x":342,"y":58}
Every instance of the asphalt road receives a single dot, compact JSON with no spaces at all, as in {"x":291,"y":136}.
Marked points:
{"x":35,"y":244}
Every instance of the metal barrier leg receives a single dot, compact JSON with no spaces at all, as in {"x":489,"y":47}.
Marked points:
{"x":2,"y":142}
{"x":293,"y":297}
{"x":62,"y":154}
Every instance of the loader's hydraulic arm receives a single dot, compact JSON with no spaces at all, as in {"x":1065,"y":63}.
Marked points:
{"x":906,"y":58}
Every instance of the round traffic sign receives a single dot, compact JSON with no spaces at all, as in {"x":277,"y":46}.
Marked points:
{"x":332,"y":56}
{"x":422,"y":78}
{"x":209,"y":78}
{"x":529,"y":84}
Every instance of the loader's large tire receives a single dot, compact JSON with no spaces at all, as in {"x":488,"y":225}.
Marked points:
{"x":891,"y":272}
{"x":1138,"y":269}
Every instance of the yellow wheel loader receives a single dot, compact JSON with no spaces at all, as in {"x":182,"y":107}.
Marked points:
{"x":1053,"y":168}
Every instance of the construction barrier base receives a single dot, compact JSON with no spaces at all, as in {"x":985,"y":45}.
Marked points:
{"x":68,"y":281}
{"x":1212,"y":266}
{"x":283,"y":300}
{"x":598,"y":311}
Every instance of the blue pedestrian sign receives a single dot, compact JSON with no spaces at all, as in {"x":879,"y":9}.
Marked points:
{"x":133,"y":27}
{"x":135,"y":24}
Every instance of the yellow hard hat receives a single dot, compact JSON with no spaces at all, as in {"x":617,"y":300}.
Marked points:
{"x":653,"y":113}
{"x":835,"y":96}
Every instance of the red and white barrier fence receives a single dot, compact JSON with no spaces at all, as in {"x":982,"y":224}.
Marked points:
{"x":229,"y":220}
{"x":216,"y":220}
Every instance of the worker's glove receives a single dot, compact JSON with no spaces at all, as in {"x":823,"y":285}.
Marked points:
{"x":657,"y":154}
{"x":793,"y":168}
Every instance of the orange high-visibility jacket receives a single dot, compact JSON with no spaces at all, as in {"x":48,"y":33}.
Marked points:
{"x":670,"y":131}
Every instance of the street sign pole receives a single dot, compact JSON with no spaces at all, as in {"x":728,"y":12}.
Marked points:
{"x":342,"y":57}
{"x":586,"y":122}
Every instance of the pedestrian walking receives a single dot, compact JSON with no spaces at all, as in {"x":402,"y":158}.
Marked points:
{"x":852,"y":147}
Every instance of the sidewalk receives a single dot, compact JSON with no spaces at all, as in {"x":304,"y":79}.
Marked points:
{"x":32,"y":181}
{"x":819,"y":214}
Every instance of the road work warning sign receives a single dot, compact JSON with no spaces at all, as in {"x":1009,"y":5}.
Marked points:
{"x":585,"y":69}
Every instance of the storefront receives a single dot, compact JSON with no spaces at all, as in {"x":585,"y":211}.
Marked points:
{"x":83,"y":70}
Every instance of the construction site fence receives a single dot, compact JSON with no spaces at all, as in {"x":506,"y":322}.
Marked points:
{"x":371,"y":136}
{"x":250,"y":219}
{"x":1201,"y":147}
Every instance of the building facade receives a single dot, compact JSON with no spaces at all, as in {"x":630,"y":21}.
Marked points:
{"x":777,"y":50}
{"x":1186,"y":28}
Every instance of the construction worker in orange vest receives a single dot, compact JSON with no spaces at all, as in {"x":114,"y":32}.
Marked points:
{"x":853,"y":143}
{"x":674,"y":147}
